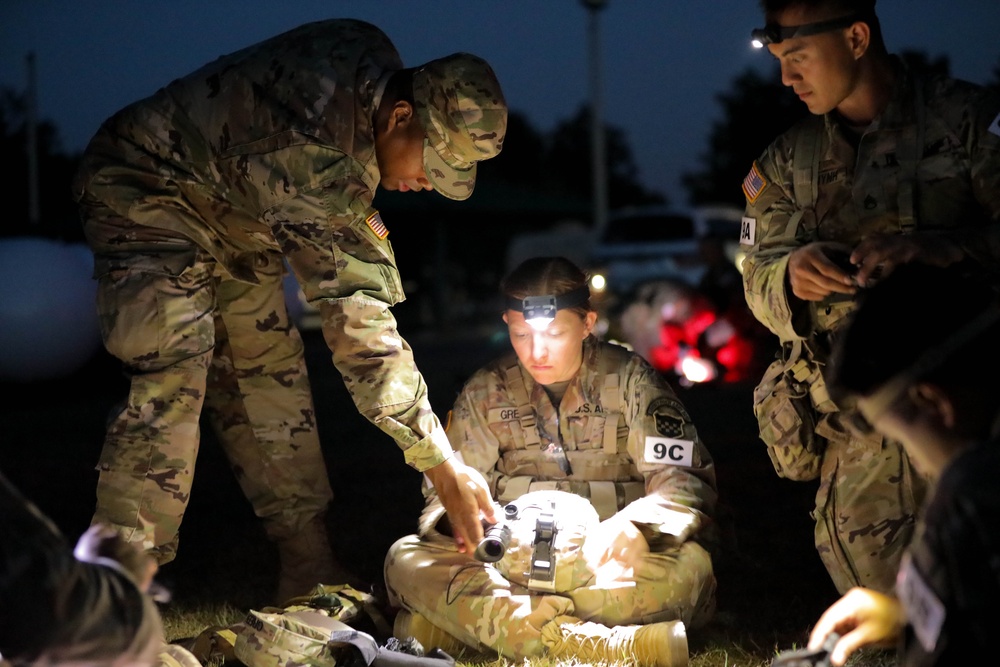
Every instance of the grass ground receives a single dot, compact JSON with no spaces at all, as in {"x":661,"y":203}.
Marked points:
{"x":772,"y":586}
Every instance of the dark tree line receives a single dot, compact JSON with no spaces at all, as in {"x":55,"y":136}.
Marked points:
{"x":754,"y":110}
{"x":58,"y":217}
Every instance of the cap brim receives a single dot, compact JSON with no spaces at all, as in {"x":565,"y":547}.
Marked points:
{"x":451,"y":182}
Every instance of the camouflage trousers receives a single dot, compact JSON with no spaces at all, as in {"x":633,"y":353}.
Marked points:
{"x":473,"y":602}
{"x":192,"y":339}
{"x":867,"y":506}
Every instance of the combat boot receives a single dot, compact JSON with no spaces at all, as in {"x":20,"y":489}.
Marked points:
{"x":411,"y":624}
{"x":653,"y":645}
{"x":306,"y":560}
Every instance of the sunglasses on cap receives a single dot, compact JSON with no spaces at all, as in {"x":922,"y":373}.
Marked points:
{"x":870,"y":408}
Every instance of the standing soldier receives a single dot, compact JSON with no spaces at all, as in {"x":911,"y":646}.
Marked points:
{"x":591,"y":428}
{"x":890,"y":169}
{"x":195,"y":198}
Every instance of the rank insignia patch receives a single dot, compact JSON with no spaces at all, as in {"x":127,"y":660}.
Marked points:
{"x":375,"y":222}
{"x":753,"y":184}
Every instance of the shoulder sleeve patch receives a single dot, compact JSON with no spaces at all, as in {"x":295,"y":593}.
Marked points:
{"x":667,"y":405}
{"x":374,"y":221}
{"x":754,"y":183}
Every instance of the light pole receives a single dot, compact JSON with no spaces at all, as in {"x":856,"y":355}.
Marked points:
{"x":31,"y":139}
{"x":597,"y":160}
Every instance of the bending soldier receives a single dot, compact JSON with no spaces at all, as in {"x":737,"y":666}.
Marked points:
{"x":194,"y":200}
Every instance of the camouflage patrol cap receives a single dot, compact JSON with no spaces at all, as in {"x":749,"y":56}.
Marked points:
{"x":464,"y":114}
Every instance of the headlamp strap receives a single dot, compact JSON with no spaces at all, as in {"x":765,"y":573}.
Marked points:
{"x":773,"y":33}
{"x":550,"y":302}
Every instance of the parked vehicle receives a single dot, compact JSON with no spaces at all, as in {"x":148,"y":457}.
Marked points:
{"x":655,"y":244}
{"x":666,"y":282}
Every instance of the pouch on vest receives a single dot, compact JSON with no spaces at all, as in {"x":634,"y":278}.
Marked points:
{"x":311,"y":630}
{"x":308,"y":638}
{"x":786,"y":403}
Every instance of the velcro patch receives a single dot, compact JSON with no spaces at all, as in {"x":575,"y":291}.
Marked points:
{"x":995,"y":125}
{"x":670,"y":451}
{"x":497,"y":415}
{"x":748,"y":231}
{"x":754,"y":183}
{"x":375,"y":222}
{"x":924,"y":609}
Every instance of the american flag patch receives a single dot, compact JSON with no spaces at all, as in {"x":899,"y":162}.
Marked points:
{"x":375,"y":222}
{"x":753,"y":184}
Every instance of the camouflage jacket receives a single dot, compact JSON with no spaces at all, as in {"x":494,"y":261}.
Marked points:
{"x":55,"y":609}
{"x":950,"y":579}
{"x":271,"y":148}
{"x":880,"y":182}
{"x":651,"y":465}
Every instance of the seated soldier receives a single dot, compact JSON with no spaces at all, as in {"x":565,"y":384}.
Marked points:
{"x":568,"y":417}
{"x":82,"y":606}
{"x":933,"y":389}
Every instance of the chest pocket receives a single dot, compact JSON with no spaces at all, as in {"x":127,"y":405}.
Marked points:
{"x":608,"y":427}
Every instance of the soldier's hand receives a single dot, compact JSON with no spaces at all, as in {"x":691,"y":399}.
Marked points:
{"x":101,"y":541}
{"x":878,"y":255}
{"x":615,"y":548}
{"x":466,"y":498}
{"x":814,"y":273}
{"x":862,"y":617}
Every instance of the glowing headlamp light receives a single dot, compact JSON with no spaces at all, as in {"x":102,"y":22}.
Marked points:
{"x":773,"y":33}
{"x":539,"y":311}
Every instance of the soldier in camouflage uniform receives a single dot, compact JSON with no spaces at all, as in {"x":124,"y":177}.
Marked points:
{"x":60,"y":605}
{"x":195,"y":198}
{"x":566,"y":412}
{"x":890,"y":168}
{"x":934,"y":390}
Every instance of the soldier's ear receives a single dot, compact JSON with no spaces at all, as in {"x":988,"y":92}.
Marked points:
{"x":932,"y":400}
{"x":859,"y":37}
{"x":402,"y":115}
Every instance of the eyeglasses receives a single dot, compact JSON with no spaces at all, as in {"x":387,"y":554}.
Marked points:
{"x":773,"y":33}
{"x":870,"y":408}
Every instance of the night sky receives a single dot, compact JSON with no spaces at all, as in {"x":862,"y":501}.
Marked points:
{"x":663,"y":61}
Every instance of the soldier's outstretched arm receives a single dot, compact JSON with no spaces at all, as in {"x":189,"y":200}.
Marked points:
{"x":466,"y":498}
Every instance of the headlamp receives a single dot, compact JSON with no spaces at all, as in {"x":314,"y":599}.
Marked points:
{"x":539,"y":311}
{"x":773,"y":33}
